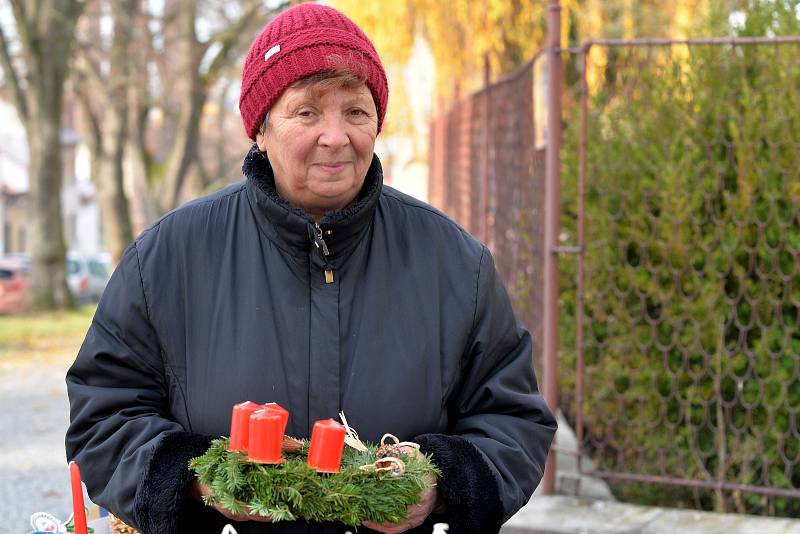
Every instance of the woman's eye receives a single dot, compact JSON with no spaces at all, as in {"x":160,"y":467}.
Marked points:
{"x":357,"y":112}
{"x":305,"y":113}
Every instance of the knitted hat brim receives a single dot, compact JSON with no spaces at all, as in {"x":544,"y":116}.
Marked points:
{"x":269,"y":83}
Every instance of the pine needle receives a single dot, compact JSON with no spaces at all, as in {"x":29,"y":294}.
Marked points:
{"x":292,"y":490}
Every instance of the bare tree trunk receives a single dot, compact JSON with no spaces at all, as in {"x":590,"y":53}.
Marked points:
{"x":107,"y":149}
{"x":114,"y":204}
{"x":143,"y":203}
{"x":181,"y":158}
{"x":111,"y":193}
{"x":48,"y":252}
{"x":105,"y":104}
{"x":222,"y":167}
{"x":107,"y":144}
{"x":191,"y":93}
{"x":144,"y":208}
{"x":46,"y":33}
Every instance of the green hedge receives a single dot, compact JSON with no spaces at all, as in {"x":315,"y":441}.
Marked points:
{"x":692,"y":271}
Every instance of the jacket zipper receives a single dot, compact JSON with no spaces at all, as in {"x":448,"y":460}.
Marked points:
{"x":325,"y":252}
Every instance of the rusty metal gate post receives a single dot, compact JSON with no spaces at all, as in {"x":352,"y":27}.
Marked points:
{"x":551,"y":224}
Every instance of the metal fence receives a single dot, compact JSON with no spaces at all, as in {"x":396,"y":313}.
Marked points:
{"x":680,"y":314}
{"x":486,"y":173}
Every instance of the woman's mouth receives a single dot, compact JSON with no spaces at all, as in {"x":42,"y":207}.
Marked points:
{"x":333,"y":166}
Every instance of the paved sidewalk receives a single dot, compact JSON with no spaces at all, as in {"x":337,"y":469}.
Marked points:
{"x":579,"y":515}
{"x":568,"y":480}
{"x":587,"y":506}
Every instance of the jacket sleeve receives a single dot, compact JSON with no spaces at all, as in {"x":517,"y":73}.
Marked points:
{"x":133,"y":456}
{"x":493,"y":455}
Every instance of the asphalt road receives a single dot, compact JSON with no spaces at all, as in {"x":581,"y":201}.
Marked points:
{"x":33,"y":419}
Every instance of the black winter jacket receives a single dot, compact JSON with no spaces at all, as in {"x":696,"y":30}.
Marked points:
{"x":226,"y":299}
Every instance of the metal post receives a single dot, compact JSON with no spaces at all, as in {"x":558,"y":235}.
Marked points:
{"x":484,"y":153}
{"x":579,"y":304}
{"x":551,"y":224}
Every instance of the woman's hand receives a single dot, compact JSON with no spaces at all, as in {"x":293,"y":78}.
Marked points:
{"x":417,"y":513}
{"x":200,"y":490}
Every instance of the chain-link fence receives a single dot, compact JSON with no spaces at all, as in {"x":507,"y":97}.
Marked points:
{"x":680,"y":319}
{"x":487,"y":174}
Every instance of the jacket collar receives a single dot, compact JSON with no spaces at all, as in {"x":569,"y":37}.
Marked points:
{"x":293,"y":229}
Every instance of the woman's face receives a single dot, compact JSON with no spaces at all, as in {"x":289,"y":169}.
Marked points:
{"x":320,"y":145}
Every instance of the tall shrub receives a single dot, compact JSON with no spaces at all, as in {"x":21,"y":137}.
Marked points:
{"x":692,"y":271}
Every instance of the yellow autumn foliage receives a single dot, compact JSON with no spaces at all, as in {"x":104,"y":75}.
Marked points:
{"x":461,"y":33}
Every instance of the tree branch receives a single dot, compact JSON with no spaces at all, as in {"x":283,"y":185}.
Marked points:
{"x":11,"y":79}
{"x":96,"y":139}
{"x":36,"y":12}
{"x":76,"y":7}
{"x":91,"y":67}
{"x":233,"y":36}
{"x":87,"y":81}
{"x":205,"y":175}
{"x":25,"y":33}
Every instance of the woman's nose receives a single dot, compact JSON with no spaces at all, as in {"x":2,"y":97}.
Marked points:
{"x":334,"y":133}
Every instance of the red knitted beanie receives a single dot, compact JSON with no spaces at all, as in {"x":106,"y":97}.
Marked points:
{"x":296,"y":44}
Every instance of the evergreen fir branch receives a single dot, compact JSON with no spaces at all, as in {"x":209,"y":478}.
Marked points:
{"x":292,"y":490}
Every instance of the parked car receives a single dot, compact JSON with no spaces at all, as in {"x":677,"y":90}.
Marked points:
{"x":87,"y":275}
{"x":14,"y":285}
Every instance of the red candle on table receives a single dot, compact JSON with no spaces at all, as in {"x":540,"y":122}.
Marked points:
{"x":240,"y":425}
{"x":78,"y":507}
{"x":327,"y":444}
{"x":266,"y":436}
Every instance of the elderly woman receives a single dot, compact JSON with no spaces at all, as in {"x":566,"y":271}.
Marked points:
{"x":313,"y":285}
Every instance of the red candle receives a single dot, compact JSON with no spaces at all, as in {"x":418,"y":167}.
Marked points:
{"x":327,"y":444}
{"x":277,"y":408}
{"x":78,"y":507}
{"x":240,"y":425}
{"x":266,"y":436}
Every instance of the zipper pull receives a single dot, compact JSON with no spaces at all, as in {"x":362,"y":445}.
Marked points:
{"x":325,"y":250}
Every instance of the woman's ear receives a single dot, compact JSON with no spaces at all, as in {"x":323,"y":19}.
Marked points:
{"x":261,"y":141}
